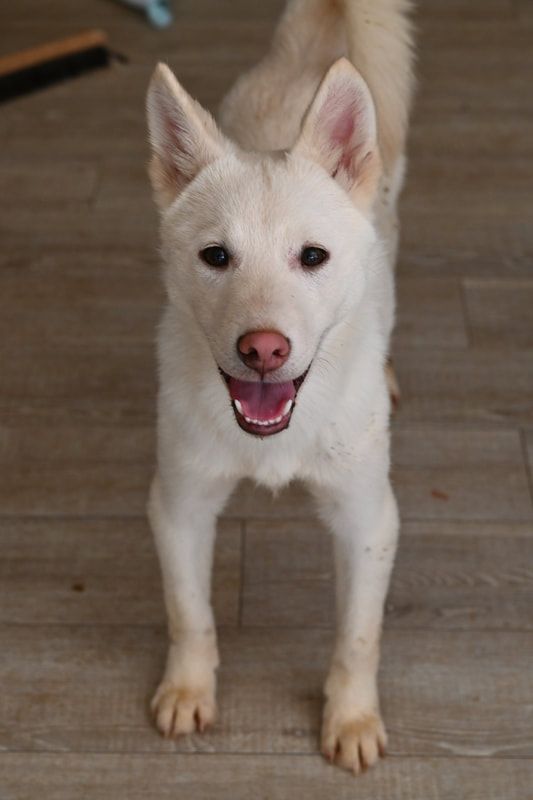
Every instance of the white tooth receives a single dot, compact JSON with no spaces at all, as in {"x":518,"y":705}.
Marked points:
{"x":262,"y":422}
{"x":238,"y":406}
{"x":288,"y":406}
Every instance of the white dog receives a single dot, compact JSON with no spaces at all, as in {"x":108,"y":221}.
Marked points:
{"x":279,"y":236}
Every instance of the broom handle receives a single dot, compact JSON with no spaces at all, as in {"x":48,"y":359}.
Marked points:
{"x":52,"y":51}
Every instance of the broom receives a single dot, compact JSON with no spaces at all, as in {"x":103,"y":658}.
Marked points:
{"x":46,"y":64}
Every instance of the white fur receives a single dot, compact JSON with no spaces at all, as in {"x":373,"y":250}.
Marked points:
{"x":332,"y":188}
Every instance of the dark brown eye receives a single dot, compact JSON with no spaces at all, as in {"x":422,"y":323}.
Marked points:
{"x":313,"y":256}
{"x":215,"y":256}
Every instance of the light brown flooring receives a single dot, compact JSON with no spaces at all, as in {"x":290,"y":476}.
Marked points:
{"x":82,"y":634}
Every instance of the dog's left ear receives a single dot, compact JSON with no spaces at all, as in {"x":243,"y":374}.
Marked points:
{"x":339,"y":132}
{"x":184,"y":136}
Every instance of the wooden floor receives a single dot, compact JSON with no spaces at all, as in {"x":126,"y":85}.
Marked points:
{"x":82,"y":634}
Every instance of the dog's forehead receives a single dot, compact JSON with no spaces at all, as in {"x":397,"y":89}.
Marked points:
{"x":273,"y":197}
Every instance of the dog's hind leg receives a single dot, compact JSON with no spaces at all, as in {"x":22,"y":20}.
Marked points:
{"x":392,"y":385}
{"x":183,"y":518}
{"x":364,"y":521}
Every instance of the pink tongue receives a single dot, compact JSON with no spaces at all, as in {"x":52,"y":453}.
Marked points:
{"x":261,"y":400}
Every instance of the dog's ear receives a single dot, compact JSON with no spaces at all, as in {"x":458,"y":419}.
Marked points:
{"x":184,"y":137}
{"x":339,"y":132}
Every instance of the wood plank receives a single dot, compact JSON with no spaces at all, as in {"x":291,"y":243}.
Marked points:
{"x":465,"y":386}
{"x":500,"y":312}
{"x":454,"y":246}
{"x":50,"y":466}
{"x":527,"y":441}
{"x":82,"y":488}
{"x":467,"y":134}
{"x":455,"y":188}
{"x":43,"y":184}
{"x":70,"y":300}
{"x":447,"y":576}
{"x":87,"y":571}
{"x":450,"y":472}
{"x":96,"y":382}
{"x":86,"y":688}
{"x":64,"y":445}
{"x":60,"y":226}
{"x":429,"y":313}
{"x":455,"y":9}
{"x":231,"y":777}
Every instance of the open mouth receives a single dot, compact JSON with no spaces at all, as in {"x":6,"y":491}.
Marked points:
{"x":262,"y":408}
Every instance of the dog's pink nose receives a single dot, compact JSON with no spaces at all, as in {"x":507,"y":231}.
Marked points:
{"x":263,"y":351}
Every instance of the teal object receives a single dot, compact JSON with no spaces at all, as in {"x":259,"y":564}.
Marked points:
{"x":157,"y":11}
{"x":159,"y":14}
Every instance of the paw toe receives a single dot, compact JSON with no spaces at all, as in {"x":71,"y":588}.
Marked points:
{"x":354,"y":744}
{"x":180,"y":711}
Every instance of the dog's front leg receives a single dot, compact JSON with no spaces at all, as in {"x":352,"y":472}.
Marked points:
{"x":183,"y":517}
{"x":364,"y":521}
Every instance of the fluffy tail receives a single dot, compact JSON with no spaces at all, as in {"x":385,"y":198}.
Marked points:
{"x":379,"y":41}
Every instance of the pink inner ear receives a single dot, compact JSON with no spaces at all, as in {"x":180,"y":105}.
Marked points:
{"x":174,"y":158}
{"x":342,"y":122}
{"x":174,"y":130}
{"x":339,"y":117}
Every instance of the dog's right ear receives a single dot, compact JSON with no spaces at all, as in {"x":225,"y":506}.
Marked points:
{"x":184,"y":137}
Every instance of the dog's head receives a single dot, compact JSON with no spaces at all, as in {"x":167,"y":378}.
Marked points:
{"x":268,"y":252}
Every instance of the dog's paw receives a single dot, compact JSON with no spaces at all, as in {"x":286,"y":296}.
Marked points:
{"x":353,"y":742}
{"x":180,"y":710}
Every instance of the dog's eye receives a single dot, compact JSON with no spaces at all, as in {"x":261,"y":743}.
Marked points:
{"x":215,"y":256}
{"x":313,"y":256}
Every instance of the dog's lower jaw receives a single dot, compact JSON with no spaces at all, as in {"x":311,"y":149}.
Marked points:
{"x":262,"y":429}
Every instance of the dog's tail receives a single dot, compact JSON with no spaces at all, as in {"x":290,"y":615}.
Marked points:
{"x":377,"y":37}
